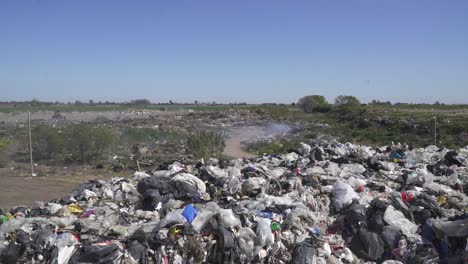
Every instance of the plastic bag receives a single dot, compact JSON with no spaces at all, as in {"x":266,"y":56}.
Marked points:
{"x":89,"y":194}
{"x":457,"y":228}
{"x":315,"y":171}
{"x":75,"y":209}
{"x":252,"y":185}
{"x":138,"y":175}
{"x":304,"y":149}
{"x":304,"y":252}
{"x":333,"y":169}
{"x":204,"y":215}
{"x":437,"y":187}
{"x":301,"y":218}
{"x":234,"y":185}
{"x":353,"y":168}
{"x":246,"y":241}
{"x":190,"y":212}
{"x":191,"y":179}
{"x":355,"y":183}
{"x":343,"y":195}
{"x":270,"y":200}
{"x":53,"y":208}
{"x":228,"y":218}
{"x":291,"y":157}
{"x":396,"y":218}
{"x":174,"y":217}
{"x":66,"y":246}
{"x":411,"y":159}
{"x":263,"y":231}
{"x":94,"y":254}
{"x":367,"y":245}
{"x":217,"y":172}
{"x":276,"y":173}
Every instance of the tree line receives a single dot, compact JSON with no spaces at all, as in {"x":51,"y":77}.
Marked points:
{"x":318,"y":103}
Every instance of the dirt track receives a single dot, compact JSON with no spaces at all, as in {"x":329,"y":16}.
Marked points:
{"x":234,"y":146}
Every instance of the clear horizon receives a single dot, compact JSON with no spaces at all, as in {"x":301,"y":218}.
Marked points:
{"x":240,"y":51}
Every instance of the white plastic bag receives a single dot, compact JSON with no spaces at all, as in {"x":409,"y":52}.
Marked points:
{"x":228,"y":218}
{"x":343,"y":195}
{"x":204,"y":215}
{"x":253,"y":184}
{"x":304,"y":149}
{"x":246,"y":241}
{"x":192,"y":180}
{"x":264,"y":234}
{"x":396,"y":218}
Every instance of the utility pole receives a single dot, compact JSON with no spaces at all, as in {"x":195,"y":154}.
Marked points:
{"x":30,"y":143}
{"x":435,"y":131}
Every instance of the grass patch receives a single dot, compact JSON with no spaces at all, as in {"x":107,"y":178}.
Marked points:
{"x":378,"y":125}
{"x":272,"y":146}
{"x":206,"y":144}
{"x":4,"y":143}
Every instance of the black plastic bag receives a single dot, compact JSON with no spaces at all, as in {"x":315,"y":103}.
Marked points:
{"x":304,"y":252}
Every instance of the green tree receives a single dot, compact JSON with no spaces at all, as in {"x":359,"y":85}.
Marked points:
{"x":314,"y":103}
{"x":346,"y":100}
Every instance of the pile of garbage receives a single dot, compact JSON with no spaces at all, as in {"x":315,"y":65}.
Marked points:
{"x":331,"y":203}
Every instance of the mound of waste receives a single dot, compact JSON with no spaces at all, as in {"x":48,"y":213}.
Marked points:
{"x":330,"y":203}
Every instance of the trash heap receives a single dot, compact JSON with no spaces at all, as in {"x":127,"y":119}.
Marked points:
{"x":331,"y":203}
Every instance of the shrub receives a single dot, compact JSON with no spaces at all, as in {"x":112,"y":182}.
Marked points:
{"x":205,"y":144}
{"x":278,"y":111}
{"x":86,"y":143}
{"x":3,"y":155}
{"x":351,"y":114}
{"x":47,"y":142}
{"x":314,"y":103}
{"x":4,"y":144}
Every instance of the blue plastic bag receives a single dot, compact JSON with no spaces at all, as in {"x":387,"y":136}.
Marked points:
{"x":190,"y":212}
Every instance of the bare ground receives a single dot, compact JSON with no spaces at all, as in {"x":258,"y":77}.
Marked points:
{"x":234,"y":147}
{"x":17,"y":187}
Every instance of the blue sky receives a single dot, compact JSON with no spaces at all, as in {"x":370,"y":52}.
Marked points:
{"x":234,"y":51}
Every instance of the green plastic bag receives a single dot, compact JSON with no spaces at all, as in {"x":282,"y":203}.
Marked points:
{"x":275,"y":226}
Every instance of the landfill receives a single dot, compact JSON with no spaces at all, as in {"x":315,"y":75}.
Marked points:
{"x":324,"y":202}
